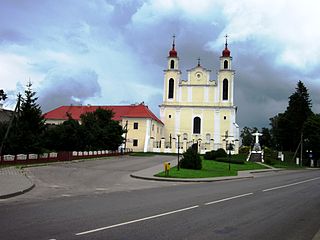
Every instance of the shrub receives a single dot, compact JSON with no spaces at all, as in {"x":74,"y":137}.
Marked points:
{"x":244,"y":149}
{"x":191,"y":160}
{"x":220,"y":153}
{"x":210,"y":155}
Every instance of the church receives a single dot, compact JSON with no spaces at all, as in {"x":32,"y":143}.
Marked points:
{"x":196,"y":110}
{"x":200,"y":109}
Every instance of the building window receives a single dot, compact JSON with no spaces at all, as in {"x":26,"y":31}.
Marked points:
{"x":225,"y":64}
{"x":171,"y":86}
{"x":225,"y":117}
{"x":152,"y":127}
{"x":135,"y":142}
{"x":225,"y":90}
{"x":135,"y":125}
{"x":196,"y":125}
{"x":172,"y":64}
{"x":169,"y":116}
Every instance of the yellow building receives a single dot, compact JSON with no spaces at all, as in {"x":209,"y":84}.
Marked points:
{"x":200,"y":109}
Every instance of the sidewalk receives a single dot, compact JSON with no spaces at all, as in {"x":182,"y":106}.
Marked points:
{"x":13,"y":182}
{"x":148,"y":174}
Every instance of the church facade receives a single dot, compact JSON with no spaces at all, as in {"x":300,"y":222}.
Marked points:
{"x":200,"y":109}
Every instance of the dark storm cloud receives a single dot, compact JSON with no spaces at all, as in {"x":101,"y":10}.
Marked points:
{"x":126,"y":43}
{"x":68,"y":88}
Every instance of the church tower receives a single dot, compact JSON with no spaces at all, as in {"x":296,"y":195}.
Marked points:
{"x":226,"y":77}
{"x":172,"y":76}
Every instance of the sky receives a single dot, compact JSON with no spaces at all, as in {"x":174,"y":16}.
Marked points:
{"x":113,"y":52}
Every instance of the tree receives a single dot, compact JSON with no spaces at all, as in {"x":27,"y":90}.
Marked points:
{"x":246,"y":136}
{"x":191,"y":159}
{"x":311,"y":131}
{"x":27,"y":126}
{"x":101,"y":131}
{"x":266,"y":139}
{"x":3,"y":95}
{"x":68,"y":136}
{"x":287,"y":127}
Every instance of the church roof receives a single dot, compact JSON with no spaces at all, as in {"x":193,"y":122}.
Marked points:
{"x":120,"y":112}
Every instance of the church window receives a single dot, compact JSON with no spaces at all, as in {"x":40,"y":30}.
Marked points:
{"x":135,"y":125}
{"x":225,"y":64}
{"x":225,"y":90}
{"x":135,"y":142}
{"x":169,"y":116}
{"x":196,"y":125}
{"x":225,"y":117}
{"x":172,"y":64}
{"x":171,"y":86}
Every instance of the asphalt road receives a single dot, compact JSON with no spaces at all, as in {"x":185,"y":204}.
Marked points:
{"x":281,"y":205}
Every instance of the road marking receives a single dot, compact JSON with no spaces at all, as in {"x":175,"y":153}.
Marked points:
{"x":137,"y":220}
{"x":289,"y":185}
{"x":229,"y":198}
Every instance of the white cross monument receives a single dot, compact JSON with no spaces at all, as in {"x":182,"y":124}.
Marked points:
{"x":256,"y":146}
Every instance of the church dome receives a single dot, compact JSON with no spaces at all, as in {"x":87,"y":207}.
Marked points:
{"x":173,"y":52}
{"x":226,"y":52}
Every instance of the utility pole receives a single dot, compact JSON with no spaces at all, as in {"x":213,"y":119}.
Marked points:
{"x":301,"y":150}
{"x":16,"y":112}
{"x":125,"y":136}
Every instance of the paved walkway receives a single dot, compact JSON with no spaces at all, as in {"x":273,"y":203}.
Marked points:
{"x":13,"y":182}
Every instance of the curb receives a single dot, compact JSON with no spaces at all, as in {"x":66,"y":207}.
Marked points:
{"x":10,"y":195}
{"x":189,"y":179}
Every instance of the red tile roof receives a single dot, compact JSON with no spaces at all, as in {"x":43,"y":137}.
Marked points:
{"x":129,"y":111}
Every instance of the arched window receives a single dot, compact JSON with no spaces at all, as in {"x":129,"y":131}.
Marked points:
{"x":196,"y":125}
{"x":172,"y":64}
{"x":225,"y":90}
{"x":225,"y":64}
{"x":171,"y":88}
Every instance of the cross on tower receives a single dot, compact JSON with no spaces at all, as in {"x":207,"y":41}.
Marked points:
{"x":226,"y":36}
{"x":199,"y":62}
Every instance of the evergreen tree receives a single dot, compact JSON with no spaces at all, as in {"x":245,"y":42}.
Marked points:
{"x":287,"y":127}
{"x":27,"y":127}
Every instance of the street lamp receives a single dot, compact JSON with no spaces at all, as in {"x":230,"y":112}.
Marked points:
{"x":178,"y":135}
{"x":229,"y":147}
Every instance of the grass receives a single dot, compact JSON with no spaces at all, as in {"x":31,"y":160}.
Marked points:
{"x":212,"y":169}
{"x":287,"y":165}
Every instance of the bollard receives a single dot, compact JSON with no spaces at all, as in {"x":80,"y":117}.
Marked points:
{"x":166,"y":168}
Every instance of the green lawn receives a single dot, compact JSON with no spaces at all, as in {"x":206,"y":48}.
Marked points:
{"x":211,"y":169}
{"x":287,"y":165}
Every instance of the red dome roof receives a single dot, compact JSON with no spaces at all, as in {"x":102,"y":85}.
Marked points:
{"x":226,"y":52}
{"x":173,"y":53}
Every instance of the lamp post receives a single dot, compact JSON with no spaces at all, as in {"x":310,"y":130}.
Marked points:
{"x":178,"y":135}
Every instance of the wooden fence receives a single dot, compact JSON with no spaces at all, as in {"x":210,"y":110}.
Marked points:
{"x":59,"y":156}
